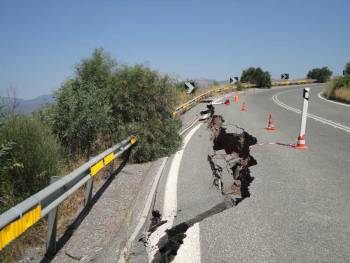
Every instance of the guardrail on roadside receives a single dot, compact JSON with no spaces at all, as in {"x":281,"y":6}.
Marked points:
{"x":189,"y":104}
{"x":19,"y":218}
{"x":293,"y":82}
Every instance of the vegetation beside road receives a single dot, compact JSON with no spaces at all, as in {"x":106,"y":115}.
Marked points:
{"x":106,"y":101}
{"x":339,"y":88}
{"x":103,"y":103}
{"x":262,"y":79}
{"x":320,"y":74}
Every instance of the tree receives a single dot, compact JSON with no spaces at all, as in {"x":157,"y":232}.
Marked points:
{"x":82,"y":113}
{"x":347,"y":68}
{"x":320,"y":74}
{"x":104,"y":102}
{"x":257,"y":76}
{"x":144,"y":101}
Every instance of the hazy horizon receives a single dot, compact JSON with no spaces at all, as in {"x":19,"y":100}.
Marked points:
{"x":42,"y":42}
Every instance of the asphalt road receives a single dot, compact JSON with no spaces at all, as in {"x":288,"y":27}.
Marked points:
{"x":299,"y":208}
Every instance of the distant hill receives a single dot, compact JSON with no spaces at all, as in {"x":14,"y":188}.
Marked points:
{"x":28,"y":106}
{"x":203,"y":82}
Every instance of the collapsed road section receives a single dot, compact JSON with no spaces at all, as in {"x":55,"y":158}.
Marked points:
{"x":229,"y":158}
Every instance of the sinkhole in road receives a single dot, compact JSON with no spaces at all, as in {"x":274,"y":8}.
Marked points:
{"x":229,"y":152}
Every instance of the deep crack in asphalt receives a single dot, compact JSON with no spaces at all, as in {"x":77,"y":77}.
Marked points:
{"x":236,"y":148}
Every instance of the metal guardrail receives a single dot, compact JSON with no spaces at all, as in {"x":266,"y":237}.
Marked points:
{"x":189,"y":104}
{"x":293,"y":82}
{"x":19,"y":218}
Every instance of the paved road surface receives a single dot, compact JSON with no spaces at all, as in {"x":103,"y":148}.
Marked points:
{"x":299,"y":208}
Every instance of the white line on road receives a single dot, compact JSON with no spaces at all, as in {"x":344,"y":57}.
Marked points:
{"x":309,"y":115}
{"x":148,"y":204}
{"x":189,"y":126}
{"x":144,"y":214}
{"x":170,"y":198}
{"x":339,"y":103}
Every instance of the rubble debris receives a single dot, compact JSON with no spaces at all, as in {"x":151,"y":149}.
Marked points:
{"x":207,"y":113}
{"x":170,"y":243}
{"x":156,"y":221}
{"x":234,"y":150}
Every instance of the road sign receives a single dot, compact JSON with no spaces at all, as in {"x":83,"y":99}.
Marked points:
{"x":234,"y":80}
{"x":190,"y":87}
{"x":285,"y":76}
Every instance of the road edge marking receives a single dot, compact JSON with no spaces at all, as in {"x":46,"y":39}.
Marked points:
{"x":170,"y":197}
{"x":309,"y":115}
{"x":335,"y":102}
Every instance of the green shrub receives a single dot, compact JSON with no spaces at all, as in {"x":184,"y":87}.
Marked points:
{"x":257,"y":76}
{"x":29,"y":156}
{"x":338,"y":89}
{"x":342,"y":82}
{"x":320,"y":74}
{"x":347,"y":68}
{"x":239,"y":86}
{"x":81,"y":116}
{"x":143,"y":101}
{"x":105,"y":102}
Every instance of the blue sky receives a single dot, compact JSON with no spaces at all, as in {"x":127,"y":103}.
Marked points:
{"x":41,"y":41}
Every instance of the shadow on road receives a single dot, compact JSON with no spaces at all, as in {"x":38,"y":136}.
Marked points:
{"x":80,"y":218}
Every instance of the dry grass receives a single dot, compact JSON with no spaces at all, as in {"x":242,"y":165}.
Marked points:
{"x":328,"y":90}
{"x":343,"y":95}
{"x":36,"y":236}
{"x":340,"y":94}
{"x":182,"y":97}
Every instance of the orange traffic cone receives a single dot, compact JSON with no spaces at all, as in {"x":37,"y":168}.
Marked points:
{"x":236,"y":98}
{"x":244,"y":108}
{"x":301,"y":142}
{"x":227,"y":102}
{"x":270,"y":125}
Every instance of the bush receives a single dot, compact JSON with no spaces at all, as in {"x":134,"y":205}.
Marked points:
{"x":144,"y":101}
{"x":342,"y":82}
{"x":257,"y":76}
{"x":342,"y":94}
{"x":81,"y":116}
{"x":320,"y":74}
{"x":339,"y":89}
{"x":105,"y":102}
{"x":29,"y":156}
{"x":347,"y":68}
{"x":239,"y":86}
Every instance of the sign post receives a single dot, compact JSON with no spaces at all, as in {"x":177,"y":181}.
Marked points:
{"x":301,"y":138}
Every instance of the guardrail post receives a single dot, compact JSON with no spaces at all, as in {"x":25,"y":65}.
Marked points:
{"x":52,"y":226}
{"x":110,"y":169}
{"x":88,"y":194}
